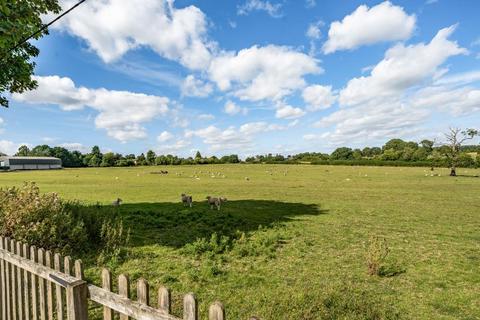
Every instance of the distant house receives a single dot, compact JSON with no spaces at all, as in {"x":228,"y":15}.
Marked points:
{"x":30,"y":163}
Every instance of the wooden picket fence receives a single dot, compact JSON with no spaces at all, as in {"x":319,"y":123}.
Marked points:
{"x":32,"y":288}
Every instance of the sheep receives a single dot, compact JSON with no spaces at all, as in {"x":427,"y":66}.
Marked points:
{"x":117,"y":202}
{"x":247,"y":179}
{"x":186,"y":200}
{"x":215,"y":202}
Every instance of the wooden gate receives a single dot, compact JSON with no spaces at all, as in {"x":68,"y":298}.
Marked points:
{"x":34,"y":284}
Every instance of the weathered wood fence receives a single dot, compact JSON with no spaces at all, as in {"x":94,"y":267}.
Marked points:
{"x":36,"y":285}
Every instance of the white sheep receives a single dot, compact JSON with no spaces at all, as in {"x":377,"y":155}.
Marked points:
{"x":186,"y":200}
{"x":215,"y":202}
{"x":117,"y":202}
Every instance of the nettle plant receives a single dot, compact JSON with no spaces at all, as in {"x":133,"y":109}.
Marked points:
{"x":377,"y":252}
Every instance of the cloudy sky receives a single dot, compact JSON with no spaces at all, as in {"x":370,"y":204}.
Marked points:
{"x":250,"y":76}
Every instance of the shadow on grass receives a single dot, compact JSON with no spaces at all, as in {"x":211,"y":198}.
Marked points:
{"x":391,"y":270}
{"x":171,"y":224}
{"x":466,"y":176}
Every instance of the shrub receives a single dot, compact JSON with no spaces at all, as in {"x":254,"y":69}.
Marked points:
{"x":215,"y":245}
{"x":114,"y":239}
{"x":47,"y":221}
{"x":40,"y":219}
{"x":377,"y":252}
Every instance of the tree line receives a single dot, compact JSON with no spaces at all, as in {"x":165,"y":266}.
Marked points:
{"x":394,"y":152}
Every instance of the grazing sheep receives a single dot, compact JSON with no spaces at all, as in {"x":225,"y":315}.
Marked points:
{"x":186,"y":200}
{"x":117,"y":202}
{"x":215,"y":202}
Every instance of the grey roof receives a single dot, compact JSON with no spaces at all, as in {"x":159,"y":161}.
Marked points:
{"x":29,"y":158}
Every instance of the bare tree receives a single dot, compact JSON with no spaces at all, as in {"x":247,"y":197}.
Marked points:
{"x":455,"y":138}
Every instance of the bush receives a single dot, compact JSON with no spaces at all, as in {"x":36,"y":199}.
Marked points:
{"x":47,"y":221}
{"x":43,"y":220}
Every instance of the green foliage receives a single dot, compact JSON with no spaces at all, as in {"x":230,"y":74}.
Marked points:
{"x":18,"y":20}
{"x":114,"y":239}
{"x":213,"y":246}
{"x":40,"y":219}
{"x":342,"y":153}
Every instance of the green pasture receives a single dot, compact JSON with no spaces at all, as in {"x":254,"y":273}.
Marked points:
{"x":291,"y":240}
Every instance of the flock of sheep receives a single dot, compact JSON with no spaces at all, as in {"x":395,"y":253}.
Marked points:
{"x":187,"y":200}
{"x":214,"y":202}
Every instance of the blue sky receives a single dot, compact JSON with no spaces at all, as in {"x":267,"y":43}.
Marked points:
{"x":250,"y":76}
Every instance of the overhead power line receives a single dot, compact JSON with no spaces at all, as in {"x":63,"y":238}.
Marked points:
{"x":45,"y":26}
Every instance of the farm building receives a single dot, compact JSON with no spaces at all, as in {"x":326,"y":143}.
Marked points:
{"x":30,"y":163}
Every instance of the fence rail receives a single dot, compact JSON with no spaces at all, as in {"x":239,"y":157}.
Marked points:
{"x":34,"y":284}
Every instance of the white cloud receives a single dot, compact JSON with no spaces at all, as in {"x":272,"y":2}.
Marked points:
{"x":459,"y":78}
{"x":383,"y":22}
{"x":369,"y":124}
{"x":174,"y":148}
{"x":206,"y":116}
{"x":233,"y":139}
{"x":318,"y":97}
{"x":258,"y":73}
{"x":75,"y":146}
{"x":260,"y":5}
{"x":165,"y":136}
{"x":310,"y":137}
{"x":252,"y":128}
{"x":10,"y":147}
{"x":289,"y":112}
{"x":179,"y":117}
{"x":232,"y":109}
{"x":1,"y":125}
{"x":313,"y":31}
{"x":459,"y":101}
{"x":310,"y":3}
{"x":113,"y":27}
{"x":402,"y":67}
{"x":193,"y":87}
{"x":121,"y":113}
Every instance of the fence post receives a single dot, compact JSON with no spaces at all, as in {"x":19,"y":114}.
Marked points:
{"x":77,"y":305}
{"x":124,"y":290}
{"x":216,"y":311}
{"x":143,"y":294}
{"x":164,"y":297}
{"x":107,"y":285}
{"x":190,"y":310}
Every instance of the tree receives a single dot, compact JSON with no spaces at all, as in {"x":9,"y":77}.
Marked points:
{"x":395,"y":144}
{"x":18,"y":20}
{"x":141,"y":161}
{"x":427,"y":145}
{"x":151,"y":158}
{"x":455,"y":138}
{"x":342,"y":153}
{"x":41,"y":151}
{"x":23,"y":151}
{"x":109,"y":159}
{"x":357,"y":154}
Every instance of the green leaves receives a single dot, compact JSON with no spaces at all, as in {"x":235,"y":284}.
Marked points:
{"x":18,"y":20}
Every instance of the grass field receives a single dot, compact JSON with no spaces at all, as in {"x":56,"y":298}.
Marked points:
{"x":302,"y":255}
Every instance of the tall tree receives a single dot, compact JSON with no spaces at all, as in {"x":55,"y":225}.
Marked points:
{"x":455,"y":138}
{"x":151,"y":156}
{"x":18,"y":20}
{"x":23,"y":151}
